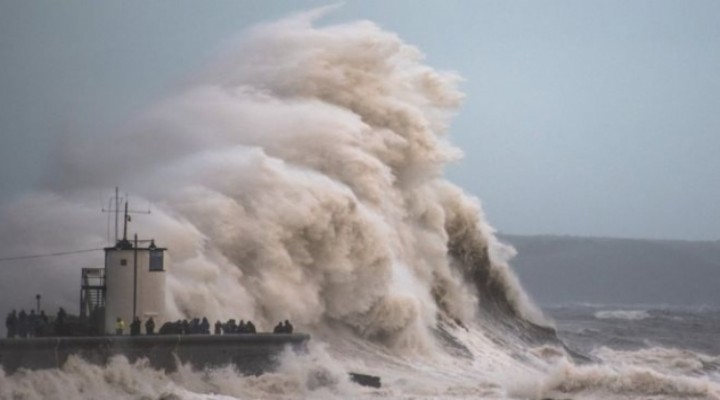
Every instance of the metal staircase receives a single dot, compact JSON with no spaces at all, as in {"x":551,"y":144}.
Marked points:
{"x":92,"y":296}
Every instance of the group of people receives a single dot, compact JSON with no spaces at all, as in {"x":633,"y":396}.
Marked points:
{"x":135,"y":326}
{"x":33,"y":324}
{"x":231,"y":327}
{"x":197,"y":326}
{"x":283,"y":327}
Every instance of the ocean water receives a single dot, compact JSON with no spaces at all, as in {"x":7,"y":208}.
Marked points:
{"x":677,"y":342}
{"x":603,"y":353}
{"x":590,"y":328}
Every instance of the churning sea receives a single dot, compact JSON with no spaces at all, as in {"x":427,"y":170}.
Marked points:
{"x":588,"y":328}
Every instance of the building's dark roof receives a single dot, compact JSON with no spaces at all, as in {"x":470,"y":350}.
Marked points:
{"x":128,"y":245}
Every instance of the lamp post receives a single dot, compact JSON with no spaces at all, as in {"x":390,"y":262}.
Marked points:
{"x":37,"y":299}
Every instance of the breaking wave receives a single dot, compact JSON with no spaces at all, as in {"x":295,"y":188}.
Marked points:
{"x":77,"y":379}
{"x":301,"y":177}
{"x":623,"y":314}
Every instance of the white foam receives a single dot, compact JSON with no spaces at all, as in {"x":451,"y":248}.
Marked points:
{"x":625,"y":381}
{"x":299,"y":177}
{"x":630,"y":315}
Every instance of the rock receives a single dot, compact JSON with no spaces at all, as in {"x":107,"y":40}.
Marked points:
{"x":365,"y":380}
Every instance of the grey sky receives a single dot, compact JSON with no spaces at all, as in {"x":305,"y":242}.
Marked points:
{"x":585,"y":118}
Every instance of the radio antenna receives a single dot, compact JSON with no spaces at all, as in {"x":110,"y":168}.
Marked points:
{"x":115,"y":208}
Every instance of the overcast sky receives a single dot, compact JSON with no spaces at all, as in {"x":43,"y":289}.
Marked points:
{"x":582,"y":118}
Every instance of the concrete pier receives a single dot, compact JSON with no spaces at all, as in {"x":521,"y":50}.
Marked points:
{"x":250,"y":353}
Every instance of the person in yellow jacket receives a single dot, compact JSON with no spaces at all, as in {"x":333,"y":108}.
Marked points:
{"x":119,"y":326}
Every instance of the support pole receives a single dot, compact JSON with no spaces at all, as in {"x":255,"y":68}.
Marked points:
{"x":117,"y":211}
{"x":135,"y":255}
{"x":125,"y":222}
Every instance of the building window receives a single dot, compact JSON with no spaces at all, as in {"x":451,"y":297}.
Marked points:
{"x":156,"y":260}
{"x":123,"y":261}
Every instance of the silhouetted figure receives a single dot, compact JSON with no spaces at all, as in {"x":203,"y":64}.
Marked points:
{"x":230,"y":326}
{"x":11,"y":323}
{"x":195,"y":326}
{"x":119,"y":326}
{"x":241,"y":328}
{"x":205,"y":326}
{"x":97,"y":320}
{"x":135,"y":327}
{"x":150,"y":326}
{"x":42,"y":325}
{"x":22,"y":324}
{"x":218,"y":328}
{"x":278,"y":328}
{"x":250,"y":327}
{"x":288,"y":328}
{"x":168,"y":328}
{"x":60,"y":322}
{"x":32,"y":323}
{"x":185,"y":327}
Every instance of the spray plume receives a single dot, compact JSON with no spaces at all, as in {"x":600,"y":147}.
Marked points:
{"x":301,"y":177}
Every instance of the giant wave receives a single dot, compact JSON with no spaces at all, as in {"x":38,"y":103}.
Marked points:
{"x":300,"y":176}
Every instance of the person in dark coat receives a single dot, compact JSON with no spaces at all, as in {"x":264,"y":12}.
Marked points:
{"x":167,"y":328}
{"x":278,"y":328}
{"x":194,"y":326}
{"x":11,"y":323}
{"x":135,"y":327}
{"x":218,"y":328}
{"x":230,"y":327}
{"x":288,"y":328}
{"x":150,"y":326}
{"x":33,"y":324}
{"x":60,"y":322}
{"x":185,"y":327}
{"x":250,"y":327}
{"x":43,"y":327}
{"x":22,"y":324}
{"x":205,"y":326}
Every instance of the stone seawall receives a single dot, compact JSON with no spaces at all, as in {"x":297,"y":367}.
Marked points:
{"x":250,"y":353}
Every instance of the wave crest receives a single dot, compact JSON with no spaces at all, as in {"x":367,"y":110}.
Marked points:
{"x":630,"y":315}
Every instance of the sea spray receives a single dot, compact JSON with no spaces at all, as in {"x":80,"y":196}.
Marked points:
{"x":300,"y":176}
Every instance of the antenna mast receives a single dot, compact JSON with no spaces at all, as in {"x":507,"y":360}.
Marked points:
{"x":114,"y":207}
{"x":125,"y":223}
{"x":116,"y":210}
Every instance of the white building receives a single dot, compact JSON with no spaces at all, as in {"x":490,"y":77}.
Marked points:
{"x":134,"y":284}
